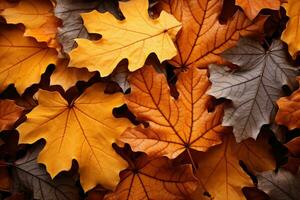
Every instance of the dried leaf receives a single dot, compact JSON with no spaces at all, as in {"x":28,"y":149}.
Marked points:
{"x":202,"y":38}
{"x":69,"y":12}
{"x":288,"y":113}
{"x":7,"y":4}
{"x":120,"y":76}
{"x":294,"y":155}
{"x":155,"y":179}
{"x":220,"y":171}
{"x":9,"y":114}
{"x":174,"y":125}
{"x":290,"y":35}
{"x":37,"y":17}
{"x":72,"y":27}
{"x":253,"y":7}
{"x":281,"y":185}
{"x":25,"y":59}
{"x":83,"y":130}
{"x":68,"y":76}
{"x":133,"y":38}
{"x":254,"y":87}
{"x":29,"y":175}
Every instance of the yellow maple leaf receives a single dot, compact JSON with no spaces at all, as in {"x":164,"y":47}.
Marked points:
{"x":37,"y":17}
{"x":83,"y":130}
{"x":291,"y":34}
{"x":24,"y":59}
{"x":133,"y":38}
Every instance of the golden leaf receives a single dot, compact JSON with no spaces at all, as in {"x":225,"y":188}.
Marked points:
{"x":174,"y":125}
{"x":68,"y":76}
{"x":291,"y":35}
{"x":37,"y":17}
{"x":23,"y":60}
{"x":83,"y":130}
{"x":133,"y":38}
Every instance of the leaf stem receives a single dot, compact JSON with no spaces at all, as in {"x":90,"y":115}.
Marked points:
{"x":195,"y":169}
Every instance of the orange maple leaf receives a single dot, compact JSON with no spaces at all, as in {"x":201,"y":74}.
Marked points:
{"x":155,"y":179}
{"x":174,"y":124}
{"x":202,"y":37}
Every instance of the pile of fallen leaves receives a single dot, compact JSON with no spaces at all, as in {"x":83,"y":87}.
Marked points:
{"x":160,"y":100}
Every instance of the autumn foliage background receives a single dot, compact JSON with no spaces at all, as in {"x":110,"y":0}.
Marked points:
{"x":160,"y":100}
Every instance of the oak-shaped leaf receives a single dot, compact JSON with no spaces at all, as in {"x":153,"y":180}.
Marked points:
{"x":66,"y":76}
{"x":155,"y":179}
{"x":282,"y":185}
{"x":290,"y":34}
{"x":133,"y":38}
{"x":220,"y":171}
{"x":253,"y":7}
{"x":203,"y":38}
{"x":25,"y":59}
{"x":72,"y":25}
{"x":28,"y":175}
{"x":175,"y":125}
{"x":37,"y":17}
{"x":9,"y":113}
{"x":83,"y":130}
{"x":254,"y":87}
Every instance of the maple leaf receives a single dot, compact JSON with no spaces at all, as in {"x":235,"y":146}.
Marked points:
{"x":254,"y":87}
{"x":69,"y":12}
{"x":288,"y":112}
{"x":133,"y":38}
{"x":83,"y":130}
{"x":37,"y":17}
{"x":281,"y":185}
{"x":202,"y":37}
{"x":253,"y":7}
{"x":68,"y":76}
{"x":174,"y":125}
{"x":25,"y":59}
{"x":9,"y":114}
{"x":155,"y":179}
{"x":29,"y":175}
{"x":220,"y":171}
{"x":290,"y":34}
